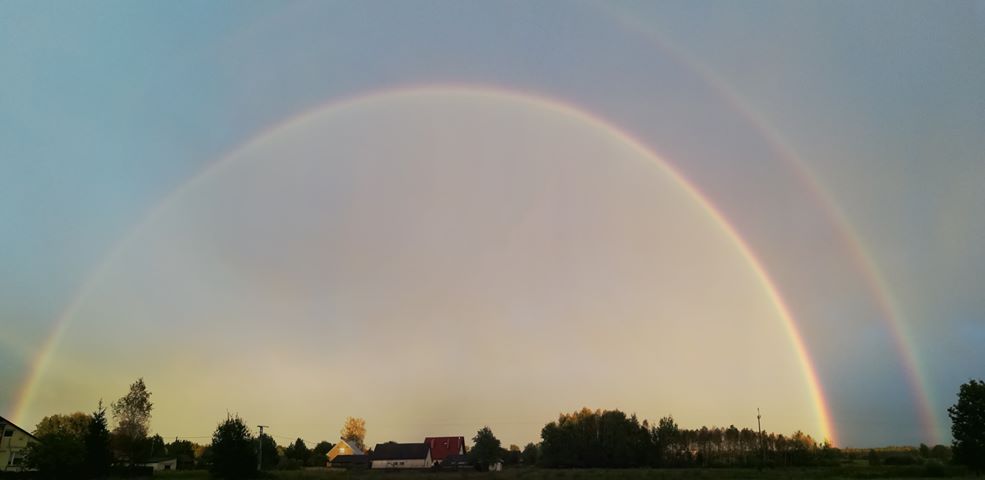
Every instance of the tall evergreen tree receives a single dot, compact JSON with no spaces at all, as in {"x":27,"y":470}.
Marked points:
{"x":98,"y":456}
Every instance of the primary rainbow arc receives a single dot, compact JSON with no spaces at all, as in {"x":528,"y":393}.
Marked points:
{"x":820,"y":404}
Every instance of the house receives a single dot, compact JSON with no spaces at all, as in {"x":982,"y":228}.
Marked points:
{"x":349,"y":461}
{"x":401,"y":455}
{"x":443,"y":447}
{"x":344,"y":447}
{"x":162,"y":463}
{"x":13,"y":441}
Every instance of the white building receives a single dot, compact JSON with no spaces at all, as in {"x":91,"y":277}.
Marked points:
{"x":13,"y":441}
{"x":401,"y":455}
{"x":161,"y":464}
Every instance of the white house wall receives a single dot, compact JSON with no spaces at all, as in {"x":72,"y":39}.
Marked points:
{"x":12,"y":449}
{"x":396,"y":464}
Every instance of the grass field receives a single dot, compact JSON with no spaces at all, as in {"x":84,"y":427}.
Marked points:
{"x":598,"y":474}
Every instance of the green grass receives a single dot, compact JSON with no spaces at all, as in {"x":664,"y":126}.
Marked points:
{"x":844,"y":472}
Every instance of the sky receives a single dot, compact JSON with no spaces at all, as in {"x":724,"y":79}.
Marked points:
{"x":443,"y":215}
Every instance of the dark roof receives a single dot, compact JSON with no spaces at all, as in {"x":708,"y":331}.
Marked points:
{"x":350,"y":460}
{"x":453,"y":460}
{"x":442,"y":447}
{"x":4,"y":421}
{"x":161,"y":459}
{"x":400,"y":451}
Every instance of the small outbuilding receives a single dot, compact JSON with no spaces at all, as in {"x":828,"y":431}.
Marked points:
{"x":162,"y":463}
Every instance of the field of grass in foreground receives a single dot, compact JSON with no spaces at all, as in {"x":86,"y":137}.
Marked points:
{"x":605,"y":474}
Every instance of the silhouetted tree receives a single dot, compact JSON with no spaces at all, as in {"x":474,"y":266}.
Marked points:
{"x":98,"y":456}
{"x":184,"y":451}
{"x":510,"y":456}
{"x":298,"y":451}
{"x":354,"y":430}
{"x":968,"y":426}
{"x":268,"y":448}
{"x":204,"y":457}
{"x":924,"y":450}
{"x":61,"y":450}
{"x":801,"y":449}
{"x":941,"y":452}
{"x":319,"y":454}
{"x":233,"y":451}
{"x":57,"y":454}
{"x":485,"y":450}
{"x":73,"y":424}
{"x":530,"y":454}
{"x":155,"y":447}
{"x":666,"y":439}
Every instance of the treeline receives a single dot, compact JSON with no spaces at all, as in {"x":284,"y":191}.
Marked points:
{"x":903,"y":455}
{"x":611,"y":439}
{"x":80,"y":445}
{"x":294,"y":455}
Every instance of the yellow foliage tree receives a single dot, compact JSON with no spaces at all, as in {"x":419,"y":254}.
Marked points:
{"x":354,"y":431}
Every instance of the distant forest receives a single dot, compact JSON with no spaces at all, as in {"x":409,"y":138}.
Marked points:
{"x":611,"y":439}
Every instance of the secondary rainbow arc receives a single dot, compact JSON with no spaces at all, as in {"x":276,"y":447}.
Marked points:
{"x":864,"y":261}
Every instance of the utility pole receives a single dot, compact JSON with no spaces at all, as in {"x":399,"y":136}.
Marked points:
{"x":260,"y":448}
{"x":762,"y":450}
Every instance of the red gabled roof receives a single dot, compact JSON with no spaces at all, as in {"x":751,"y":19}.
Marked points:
{"x":442,"y":447}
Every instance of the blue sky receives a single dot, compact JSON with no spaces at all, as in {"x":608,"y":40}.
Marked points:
{"x":108,"y":107}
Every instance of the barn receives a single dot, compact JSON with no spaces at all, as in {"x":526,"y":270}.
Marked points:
{"x":392,"y":455}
